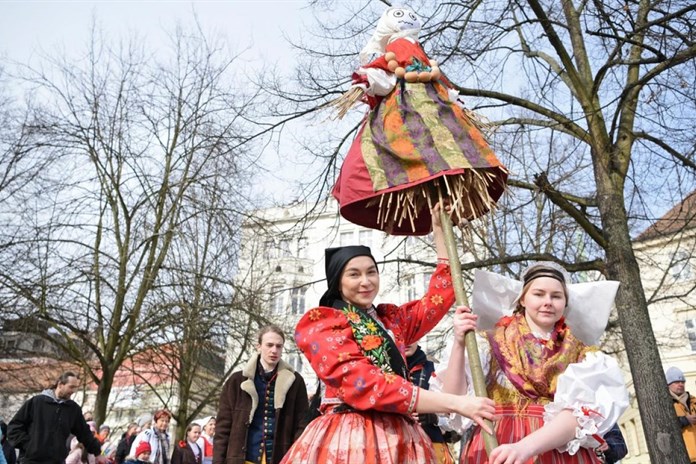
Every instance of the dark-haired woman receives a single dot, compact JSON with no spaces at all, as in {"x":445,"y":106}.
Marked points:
{"x":357,"y":350}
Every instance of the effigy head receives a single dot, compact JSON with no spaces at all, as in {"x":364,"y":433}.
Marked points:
{"x":395,"y":23}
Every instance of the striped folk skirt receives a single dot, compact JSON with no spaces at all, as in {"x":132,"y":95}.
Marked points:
{"x":367,"y":437}
{"x":512,"y":426}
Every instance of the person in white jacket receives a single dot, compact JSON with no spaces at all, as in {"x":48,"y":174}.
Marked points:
{"x":158,"y":438}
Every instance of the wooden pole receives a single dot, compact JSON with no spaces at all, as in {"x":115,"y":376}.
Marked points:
{"x":470,"y":339}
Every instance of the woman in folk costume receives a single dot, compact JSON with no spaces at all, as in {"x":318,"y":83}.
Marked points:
{"x":416,"y":138}
{"x":357,"y":350}
{"x":205,"y":441}
{"x":556,"y":394}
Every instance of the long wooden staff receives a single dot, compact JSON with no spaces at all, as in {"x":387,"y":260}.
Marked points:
{"x":470,"y":338}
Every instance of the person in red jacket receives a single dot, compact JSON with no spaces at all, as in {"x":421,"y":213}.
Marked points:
{"x":357,"y":350}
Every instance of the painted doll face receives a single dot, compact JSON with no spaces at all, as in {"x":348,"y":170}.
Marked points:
{"x":401,"y":19}
{"x":360,"y":282}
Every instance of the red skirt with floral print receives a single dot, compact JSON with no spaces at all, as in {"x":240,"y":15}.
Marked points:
{"x":369,"y":437}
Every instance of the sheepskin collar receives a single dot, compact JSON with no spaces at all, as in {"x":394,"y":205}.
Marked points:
{"x":283,"y":382}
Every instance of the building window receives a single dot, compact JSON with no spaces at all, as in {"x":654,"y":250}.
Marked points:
{"x":426,"y":281}
{"x":680,"y":269}
{"x":691,"y":332}
{"x":365,"y":238}
{"x":9,"y":344}
{"x":277,"y":300}
{"x":268,"y":249}
{"x":295,"y":360}
{"x":302,"y":247}
{"x":297,"y":296}
{"x":346,"y":238}
{"x":411,"y":290}
{"x":284,"y":248}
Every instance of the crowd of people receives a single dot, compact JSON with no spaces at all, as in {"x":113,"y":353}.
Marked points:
{"x":50,"y":428}
{"x":382,"y":399}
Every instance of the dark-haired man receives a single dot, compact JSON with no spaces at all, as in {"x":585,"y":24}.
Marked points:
{"x":41,"y":427}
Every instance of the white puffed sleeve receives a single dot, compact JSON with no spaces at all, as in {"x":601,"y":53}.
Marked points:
{"x":594,"y":391}
{"x":381,"y":82}
{"x":452,"y":421}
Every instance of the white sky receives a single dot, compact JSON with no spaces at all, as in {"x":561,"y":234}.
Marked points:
{"x":29,"y":29}
{"x":29,"y":26}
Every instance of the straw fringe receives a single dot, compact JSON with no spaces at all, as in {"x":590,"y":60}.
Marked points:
{"x":467,"y":193}
{"x":346,"y":101}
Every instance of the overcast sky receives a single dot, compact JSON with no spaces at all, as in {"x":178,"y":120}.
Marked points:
{"x":27,"y":27}
{"x":30,"y":29}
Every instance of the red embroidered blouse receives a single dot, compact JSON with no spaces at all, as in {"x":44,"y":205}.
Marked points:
{"x":326,"y":338}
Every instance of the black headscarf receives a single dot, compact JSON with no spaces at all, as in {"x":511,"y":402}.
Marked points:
{"x":335,"y":259}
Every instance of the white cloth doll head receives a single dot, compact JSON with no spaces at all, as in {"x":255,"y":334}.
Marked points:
{"x":396,"y":22}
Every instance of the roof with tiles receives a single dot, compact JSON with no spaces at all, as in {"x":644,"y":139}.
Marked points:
{"x":681,"y":217}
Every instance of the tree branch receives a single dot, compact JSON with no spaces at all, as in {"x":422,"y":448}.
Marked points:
{"x":559,"y":200}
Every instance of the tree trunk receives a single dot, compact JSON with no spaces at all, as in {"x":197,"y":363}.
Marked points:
{"x":665,"y":444}
{"x":102,"y":400}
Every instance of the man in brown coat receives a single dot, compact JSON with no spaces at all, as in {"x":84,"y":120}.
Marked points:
{"x":263,"y":407}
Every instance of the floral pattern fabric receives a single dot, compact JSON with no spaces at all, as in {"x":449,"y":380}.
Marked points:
{"x":367,"y":432}
{"x":531,"y":364}
{"x":532,"y":379}
{"x":375,"y":342}
{"x":367,"y":438}
{"x":326,"y":338}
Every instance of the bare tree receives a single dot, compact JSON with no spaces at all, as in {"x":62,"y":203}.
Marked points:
{"x":606,"y":87}
{"x":201,"y":305}
{"x":132,"y":137}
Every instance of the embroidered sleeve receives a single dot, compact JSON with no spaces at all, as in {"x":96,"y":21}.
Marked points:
{"x":326,"y":339}
{"x":594,"y":391}
{"x":417,"y":318}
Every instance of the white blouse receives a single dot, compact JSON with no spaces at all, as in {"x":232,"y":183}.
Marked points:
{"x":594,"y":384}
